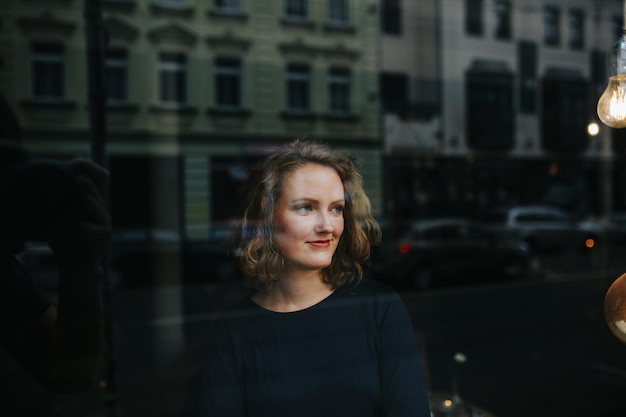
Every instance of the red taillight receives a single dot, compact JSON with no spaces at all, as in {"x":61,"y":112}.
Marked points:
{"x":404,"y":248}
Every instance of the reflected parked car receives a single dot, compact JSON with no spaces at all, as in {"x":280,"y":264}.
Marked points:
{"x":546,"y":228}
{"x":439,"y":252}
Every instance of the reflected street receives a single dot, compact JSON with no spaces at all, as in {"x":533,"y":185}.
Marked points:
{"x":536,"y":347}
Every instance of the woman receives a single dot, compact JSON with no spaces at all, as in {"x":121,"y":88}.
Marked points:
{"x":314,"y":339}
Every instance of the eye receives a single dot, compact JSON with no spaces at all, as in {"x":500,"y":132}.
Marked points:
{"x":303,"y":208}
{"x":338,"y":209}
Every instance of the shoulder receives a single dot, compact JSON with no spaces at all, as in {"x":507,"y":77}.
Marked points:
{"x":238,"y":319}
{"x":370,"y":294}
{"x":368,"y":287}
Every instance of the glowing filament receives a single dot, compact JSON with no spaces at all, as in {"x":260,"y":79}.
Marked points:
{"x":612,"y":103}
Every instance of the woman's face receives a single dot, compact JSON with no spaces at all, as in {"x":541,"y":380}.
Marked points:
{"x":309,"y":217}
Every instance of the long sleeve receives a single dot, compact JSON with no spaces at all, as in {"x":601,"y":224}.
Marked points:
{"x":403,"y":390}
{"x":220,"y":389}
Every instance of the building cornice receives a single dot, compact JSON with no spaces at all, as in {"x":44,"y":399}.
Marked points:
{"x":227,"y":15}
{"x":298,"y":46}
{"x":123,"y":6}
{"x":46,"y":24}
{"x":228,"y":40}
{"x":119,"y":29}
{"x":173,"y":33}
{"x":174,"y":11}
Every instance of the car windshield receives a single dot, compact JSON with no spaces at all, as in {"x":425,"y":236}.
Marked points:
{"x":544,"y":217}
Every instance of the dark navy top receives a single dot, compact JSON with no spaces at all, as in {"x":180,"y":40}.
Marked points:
{"x":353,"y":354}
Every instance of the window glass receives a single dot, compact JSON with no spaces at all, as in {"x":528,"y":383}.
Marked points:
{"x":298,"y":88}
{"x":117,"y":76}
{"x":48,"y":71}
{"x":228,"y":82}
{"x":474,"y":128}
{"x":391,"y":17}
{"x":172,"y":78}
{"x":502,"y":19}
{"x":338,"y":12}
{"x":474,"y":17}
{"x":228,"y":5}
{"x":551,"y":26}
{"x":339,"y":90}
{"x":298,"y":9}
{"x":576,"y":29}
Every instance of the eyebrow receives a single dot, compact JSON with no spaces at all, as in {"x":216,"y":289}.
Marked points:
{"x":312,"y":200}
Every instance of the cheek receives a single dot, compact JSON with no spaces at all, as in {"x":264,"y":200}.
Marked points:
{"x":287,"y":228}
{"x":339,"y":227}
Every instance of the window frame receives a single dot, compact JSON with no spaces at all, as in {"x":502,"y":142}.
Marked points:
{"x":339,"y":78}
{"x":176,"y":66}
{"x":391,"y":17}
{"x":576,"y":29}
{"x":503,"y":20}
{"x":303,"y":4}
{"x":298,"y":74}
{"x":228,"y":6}
{"x":551,"y":26}
{"x":228,"y":71}
{"x":474,"y":22}
{"x":116,"y":60}
{"x":49,"y":57}
{"x":342,"y":7}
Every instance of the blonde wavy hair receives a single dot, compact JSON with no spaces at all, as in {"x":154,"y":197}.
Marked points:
{"x":252,"y":238}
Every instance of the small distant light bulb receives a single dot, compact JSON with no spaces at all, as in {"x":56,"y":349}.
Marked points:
{"x":612,"y":102}
{"x":593,"y":129}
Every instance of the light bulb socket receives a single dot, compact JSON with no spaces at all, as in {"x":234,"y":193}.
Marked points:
{"x":617,"y":63}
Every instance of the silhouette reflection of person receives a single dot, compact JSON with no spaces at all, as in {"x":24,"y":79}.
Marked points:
{"x":314,"y":338}
{"x":58,"y":343}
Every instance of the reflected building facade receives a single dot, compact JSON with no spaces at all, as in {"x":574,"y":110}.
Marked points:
{"x":453,"y":106}
{"x":197,"y":91}
{"x":497,"y":106}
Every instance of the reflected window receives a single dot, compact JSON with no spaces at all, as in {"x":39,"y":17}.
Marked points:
{"x":576,"y":29}
{"x":338,"y":12}
{"x":565,"y":112}
{"x":172,"y":79}
{"x":502,"y":19}
{"x":297,"y":9}
{"x":474,"y":17}
{"x":490,"y":114}
{"x":339,"y":80}
{"x":173,"y":3}
{"x":117,"y":76}
{"x":551,"y":26}
{"x":391,"y":17}
{"x":298,"y":88}
{"x":228,"y":5}
{"x":394,"y":88}
{"x":228,"y":82}
{"x":527,"y":62}
{"x":48,"y":71}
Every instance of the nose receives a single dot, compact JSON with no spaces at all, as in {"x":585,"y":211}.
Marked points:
{"x":325,"y":224}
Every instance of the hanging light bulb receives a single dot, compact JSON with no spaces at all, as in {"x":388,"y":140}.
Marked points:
{"x":612,"y":103}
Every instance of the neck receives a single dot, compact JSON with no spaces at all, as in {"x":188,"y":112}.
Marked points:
{"x":293,"y":292}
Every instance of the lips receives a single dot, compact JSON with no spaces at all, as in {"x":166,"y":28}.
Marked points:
{"x":320,"y":243}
